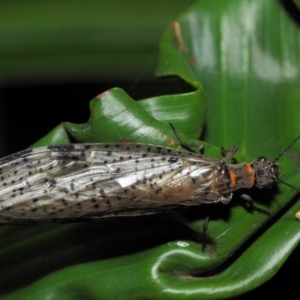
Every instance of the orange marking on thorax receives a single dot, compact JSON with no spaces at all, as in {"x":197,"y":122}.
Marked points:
{"x":232,"y":178}
{"x":246,"y":173}
{"x":251,"y":173}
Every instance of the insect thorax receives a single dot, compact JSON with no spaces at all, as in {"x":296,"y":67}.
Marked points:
{"x":242,"y":176}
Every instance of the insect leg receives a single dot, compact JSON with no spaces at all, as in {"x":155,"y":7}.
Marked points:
{"x":183,"y":144}
{"x":228,"y":153}
{"x":253,"y":206}
{"x":205,"y":226}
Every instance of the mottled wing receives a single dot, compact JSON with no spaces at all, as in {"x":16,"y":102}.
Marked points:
{"x":86,"y":180}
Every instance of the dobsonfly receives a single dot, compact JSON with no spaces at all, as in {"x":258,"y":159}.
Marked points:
{"x":120,"y":179}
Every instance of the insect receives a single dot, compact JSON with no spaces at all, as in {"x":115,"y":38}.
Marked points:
{"x":103,"y":180}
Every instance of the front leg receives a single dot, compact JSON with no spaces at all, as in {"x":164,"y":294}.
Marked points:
{"x":229,"y":152}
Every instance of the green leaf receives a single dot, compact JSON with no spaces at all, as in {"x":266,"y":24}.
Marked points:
{"x":68,"y":40}
{"x":56,"y":136}
{"x":116,"y":117}
{"x":246,"y":57}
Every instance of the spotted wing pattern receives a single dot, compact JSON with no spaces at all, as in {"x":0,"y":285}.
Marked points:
{"x":99,"y":180}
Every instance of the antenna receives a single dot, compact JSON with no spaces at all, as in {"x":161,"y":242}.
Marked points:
{"x":279,"y":156}
{"x":285,"y":150}
{"x":289,"y":185}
